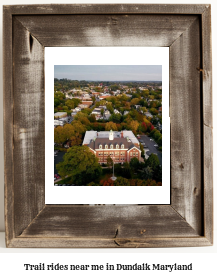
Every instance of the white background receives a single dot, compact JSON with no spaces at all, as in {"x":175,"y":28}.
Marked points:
{"x":106,"y":194}
{"x":12,"y":260}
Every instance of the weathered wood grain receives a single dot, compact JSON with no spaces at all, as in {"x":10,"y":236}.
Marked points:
{"x":29,"y":131}
{"x":29,"y":223}
{"x":8,"y":126}
{"x":109,"y":221}
{"x":207,"y":119}
{"x":106,"y":9}
{"x":107,"y":30}
{"x":207,"y":66}
{"x":69,"y":242}
{"x":185,"y":117}
{"x":208,"y":183}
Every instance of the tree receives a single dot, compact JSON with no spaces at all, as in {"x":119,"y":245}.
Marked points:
{"x":134,"y":163}
{"x":92,"y":118}
{"x":110,"y":107}
{"x":116,"y":118}
{"x":59,"y":136}
{"x":127,"y":171}
{"x":134,"y":125}
{"x":109,"y":162}
{"x":80,"y":164}
{"x":78,"y":127}
{"x":147,"y":173}
{"x":134,"y":101}
{"x":111,"y":126}
{"x":142,"y":150}
{"x":120,"y":181}
{"x":157,"y":175}
{"x":153,"y":111}
{"x":152,"y":161}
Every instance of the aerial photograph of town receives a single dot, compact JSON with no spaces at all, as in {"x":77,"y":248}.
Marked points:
{"x":108,"y":125}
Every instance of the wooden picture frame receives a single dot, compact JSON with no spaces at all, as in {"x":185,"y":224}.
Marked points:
{"x":186,"y":30}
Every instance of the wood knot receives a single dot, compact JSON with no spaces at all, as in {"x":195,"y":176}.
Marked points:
{"x":142,"y":232}
{"x":195,"y":191}
{"x":181,"y":166}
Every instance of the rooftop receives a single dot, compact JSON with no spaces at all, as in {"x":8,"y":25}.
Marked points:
{"x":90,"y":135}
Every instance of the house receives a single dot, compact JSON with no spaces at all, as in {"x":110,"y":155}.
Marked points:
{"x":117,"y":112}
{"x":107,"y":115}
{"x":103,"y":96}
{"x":120,"y":146}
{"x":57,"y":123}
{"x":148,"y":114}
{"x":97,"y":113}
{"x":137,"y":106}
{"x":87,"y":103}
{"x":59,"y":115}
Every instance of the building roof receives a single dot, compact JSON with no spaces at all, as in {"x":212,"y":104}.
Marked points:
{"x":94,"y":139}
{"x":105,"y":141}
{"x":60,"y":114}
{"x":105,"y":134}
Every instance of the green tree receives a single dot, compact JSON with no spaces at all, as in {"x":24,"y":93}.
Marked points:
{"x":134,"y":163}
{"x":127,"y":171}
{"x":153,"y":111}
{"x":152,"y":161}
{"x":80,"y":164}
{"x":147,"y":173}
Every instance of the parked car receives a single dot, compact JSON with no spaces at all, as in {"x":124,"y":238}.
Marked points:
{"x":156,"y":146}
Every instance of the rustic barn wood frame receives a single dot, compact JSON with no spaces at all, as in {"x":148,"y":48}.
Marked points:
{"x":186,"y":30}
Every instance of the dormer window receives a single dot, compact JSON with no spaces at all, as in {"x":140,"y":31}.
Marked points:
{"x":117,"y":146}
{"x":106,"y":146}
{"x":122,"y":146}
{"x":100,"y":146}
{"x":111,"y":146}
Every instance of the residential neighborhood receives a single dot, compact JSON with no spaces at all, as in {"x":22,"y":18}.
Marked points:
{"x":107,"y":133}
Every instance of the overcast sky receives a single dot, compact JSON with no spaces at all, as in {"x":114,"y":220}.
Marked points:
{"x":109,"y":73}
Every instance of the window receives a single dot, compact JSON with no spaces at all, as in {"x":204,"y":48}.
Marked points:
{"x":100,"y":146}
{"x":106,"y":146}
{"x":105,"y":153}
{"x":130,"y":154}
{"x":111,"y":154}
{"x":122,"y":153}
{"x":122,"y":146}
{"x":116,"y":153}
{"x":134,"y":154}
{"x":111,"y":146}
{"x":117,"y":146}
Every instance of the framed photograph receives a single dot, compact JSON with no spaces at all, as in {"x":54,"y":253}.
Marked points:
{"x":102,"y":39}
{"x":124,"y":144}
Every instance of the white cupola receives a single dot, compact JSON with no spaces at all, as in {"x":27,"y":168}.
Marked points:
{"x":111,"y":135}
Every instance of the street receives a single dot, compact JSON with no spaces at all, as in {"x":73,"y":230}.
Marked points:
{"x":150,"y":145}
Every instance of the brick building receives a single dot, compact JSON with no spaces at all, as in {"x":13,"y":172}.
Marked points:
{"x":120,"y":146}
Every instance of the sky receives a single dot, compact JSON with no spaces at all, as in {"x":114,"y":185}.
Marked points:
{"x":109,"y":73}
